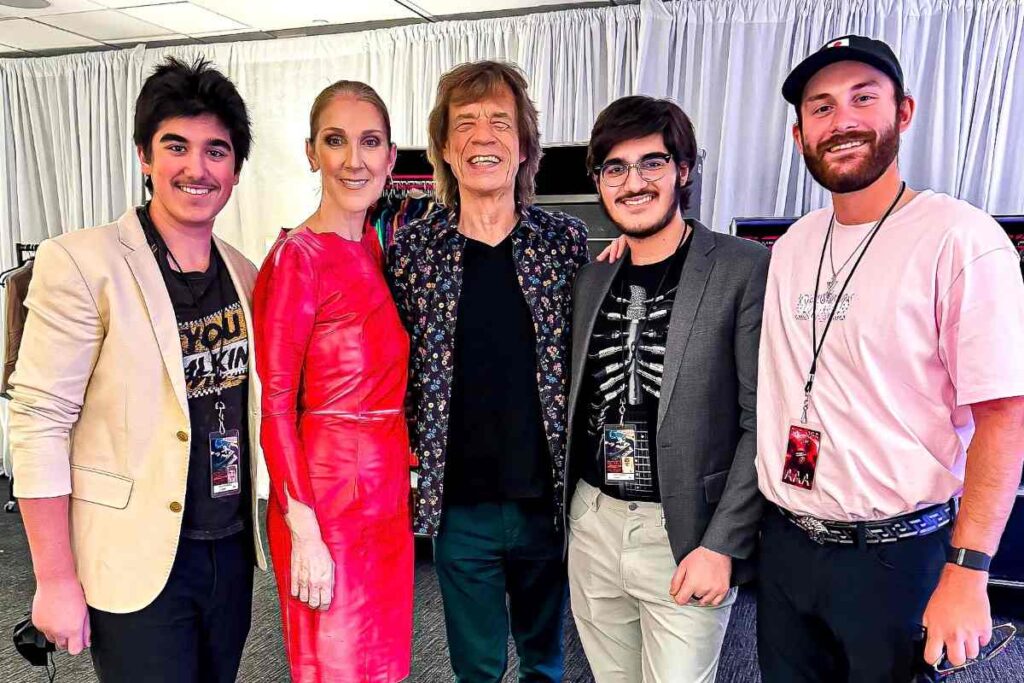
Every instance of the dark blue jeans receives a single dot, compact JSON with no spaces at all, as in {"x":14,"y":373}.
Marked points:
{"x":195,"y":629}
{"x":484,"y":552}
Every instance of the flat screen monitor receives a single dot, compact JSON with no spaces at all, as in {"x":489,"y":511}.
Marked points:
{"x":1014,"y":227}
{"x":764,"y":230}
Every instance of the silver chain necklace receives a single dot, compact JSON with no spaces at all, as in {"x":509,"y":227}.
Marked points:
{"x":832,"y":264}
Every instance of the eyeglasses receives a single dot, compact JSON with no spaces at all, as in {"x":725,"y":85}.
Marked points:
{"x":1002,"y":635}
{"x":651,"y":168}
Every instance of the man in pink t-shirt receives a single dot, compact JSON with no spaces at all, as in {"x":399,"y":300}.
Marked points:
{"x":890,"y":386}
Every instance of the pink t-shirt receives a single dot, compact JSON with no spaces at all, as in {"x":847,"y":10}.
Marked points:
{"x":932,"y":321}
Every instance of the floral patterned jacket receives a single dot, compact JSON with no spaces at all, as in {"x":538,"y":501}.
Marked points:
{"x":425,"y":271}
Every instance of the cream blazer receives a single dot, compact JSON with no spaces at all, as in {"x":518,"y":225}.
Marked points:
{"x":99,"y":409}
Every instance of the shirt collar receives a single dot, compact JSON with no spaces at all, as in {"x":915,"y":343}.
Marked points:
{"x":448,"y":225}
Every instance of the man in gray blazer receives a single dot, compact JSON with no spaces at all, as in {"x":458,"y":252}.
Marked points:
{"x":664,"y":500}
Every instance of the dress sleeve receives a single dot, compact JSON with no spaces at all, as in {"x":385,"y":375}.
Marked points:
{"x":284,"y":312}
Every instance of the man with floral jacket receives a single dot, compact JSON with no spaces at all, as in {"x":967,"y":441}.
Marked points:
{"x":484,"y":285}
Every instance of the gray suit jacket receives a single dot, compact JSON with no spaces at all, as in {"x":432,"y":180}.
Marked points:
{"x":706,"y":416}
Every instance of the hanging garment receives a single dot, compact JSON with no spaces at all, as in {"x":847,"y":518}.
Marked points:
{"x":17,"y":288}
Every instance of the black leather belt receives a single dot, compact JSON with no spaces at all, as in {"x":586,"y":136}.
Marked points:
{"x":920,"y":523}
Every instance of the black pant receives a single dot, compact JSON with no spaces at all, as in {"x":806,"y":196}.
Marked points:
{"x":484,"y":552}
{"x":195,"y":629}
{"x":831,"y":613}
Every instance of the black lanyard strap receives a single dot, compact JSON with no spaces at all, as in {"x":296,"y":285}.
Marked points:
{"x":816,"y":344}
{"x":161,"y":251}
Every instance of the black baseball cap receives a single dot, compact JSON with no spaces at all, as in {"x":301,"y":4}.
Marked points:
{"x":847,"y":48}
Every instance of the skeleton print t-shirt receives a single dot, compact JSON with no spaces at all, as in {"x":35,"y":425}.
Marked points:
{"x":623,"y":375}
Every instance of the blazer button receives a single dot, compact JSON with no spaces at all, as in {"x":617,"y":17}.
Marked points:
{"x":183,"y":436}
{"x":175,"y":506}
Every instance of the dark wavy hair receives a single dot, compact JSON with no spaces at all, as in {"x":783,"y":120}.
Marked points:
{"x":470,"y":83}
{"x":178,"y":89}
{"x":638,"y":116}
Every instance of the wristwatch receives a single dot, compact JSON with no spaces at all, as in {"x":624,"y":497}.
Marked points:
{"x":969,"y":559}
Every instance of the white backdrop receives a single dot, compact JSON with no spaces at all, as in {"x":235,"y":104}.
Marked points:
{"x":65,"y":122}
{"x":576,"y":61}
{"x":724,"y":61}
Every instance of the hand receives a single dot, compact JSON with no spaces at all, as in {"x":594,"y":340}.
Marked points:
{"x":312,"y":567}
{"x":958,"y":616}
{"x":703,"y":575}
{"x":614,"y":251}
{"x":60,"y":613}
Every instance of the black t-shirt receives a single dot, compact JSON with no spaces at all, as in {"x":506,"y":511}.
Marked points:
{"x":611,"y":373}
{"x":215,"y":353}
{"x":497,"y":449}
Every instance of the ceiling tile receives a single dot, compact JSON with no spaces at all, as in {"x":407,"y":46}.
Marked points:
{"x":269,"y":16}
{"x":182,"y":17}
{"x":127,"y":42}
{"x":30,"y":35}
{"x":56,"y":7}
{"x":444,"y":7}
{"x":105,"y":25}
{"x":8,"y":51}
{"x":214,"y":34}
{"x":118,"y":4}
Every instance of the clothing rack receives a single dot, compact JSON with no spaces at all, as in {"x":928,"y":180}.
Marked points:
{"x":406,"y":198}
{"x":23,"y":254}
{"x":400,"y":188}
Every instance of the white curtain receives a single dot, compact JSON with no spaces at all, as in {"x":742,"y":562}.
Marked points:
{"x":69,"y":119}
{"x":65,"y":122}
{"x":573,"y":60}
{"x":724,"y":62}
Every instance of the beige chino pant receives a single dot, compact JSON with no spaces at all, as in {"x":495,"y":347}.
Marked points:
{"x":620,"y":569}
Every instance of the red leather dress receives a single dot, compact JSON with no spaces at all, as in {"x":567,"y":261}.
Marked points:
{"x":332,"y":355}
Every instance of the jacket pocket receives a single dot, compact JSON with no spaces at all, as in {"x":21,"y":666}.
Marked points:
{"x":102,"y":488}
{"x":714,"y":485}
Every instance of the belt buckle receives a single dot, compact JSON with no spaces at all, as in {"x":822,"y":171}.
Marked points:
{"x":815,"y":528}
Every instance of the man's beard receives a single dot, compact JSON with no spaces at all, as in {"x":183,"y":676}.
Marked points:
{"x":883,"y":150}
{"x":645,"y":231}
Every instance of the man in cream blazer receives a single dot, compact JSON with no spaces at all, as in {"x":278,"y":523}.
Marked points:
{"x":135,"y":408}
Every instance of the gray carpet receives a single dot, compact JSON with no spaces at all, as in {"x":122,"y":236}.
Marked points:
{"x":264,"y":661}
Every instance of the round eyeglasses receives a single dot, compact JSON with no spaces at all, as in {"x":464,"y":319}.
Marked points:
{"x":650,"y":168}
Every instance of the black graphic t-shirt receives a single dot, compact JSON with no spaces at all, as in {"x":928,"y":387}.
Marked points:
{"x":614,"y":377}
{"x":215,"y":353}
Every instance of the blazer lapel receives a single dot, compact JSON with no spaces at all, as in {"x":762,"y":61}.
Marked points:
{"x":244,"y":290}
{"x":692,"y":282}
{"x":237,"y":265}
{"x":589,"y":304}
{"x":158,"y":302}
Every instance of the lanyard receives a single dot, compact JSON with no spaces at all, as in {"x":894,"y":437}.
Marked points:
{"x":215,"y":362}
{"x":158,"y":244}
{"x":816,"y":344}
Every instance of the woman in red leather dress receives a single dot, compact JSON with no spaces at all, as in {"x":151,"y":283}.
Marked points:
{"x":332,"y":356}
